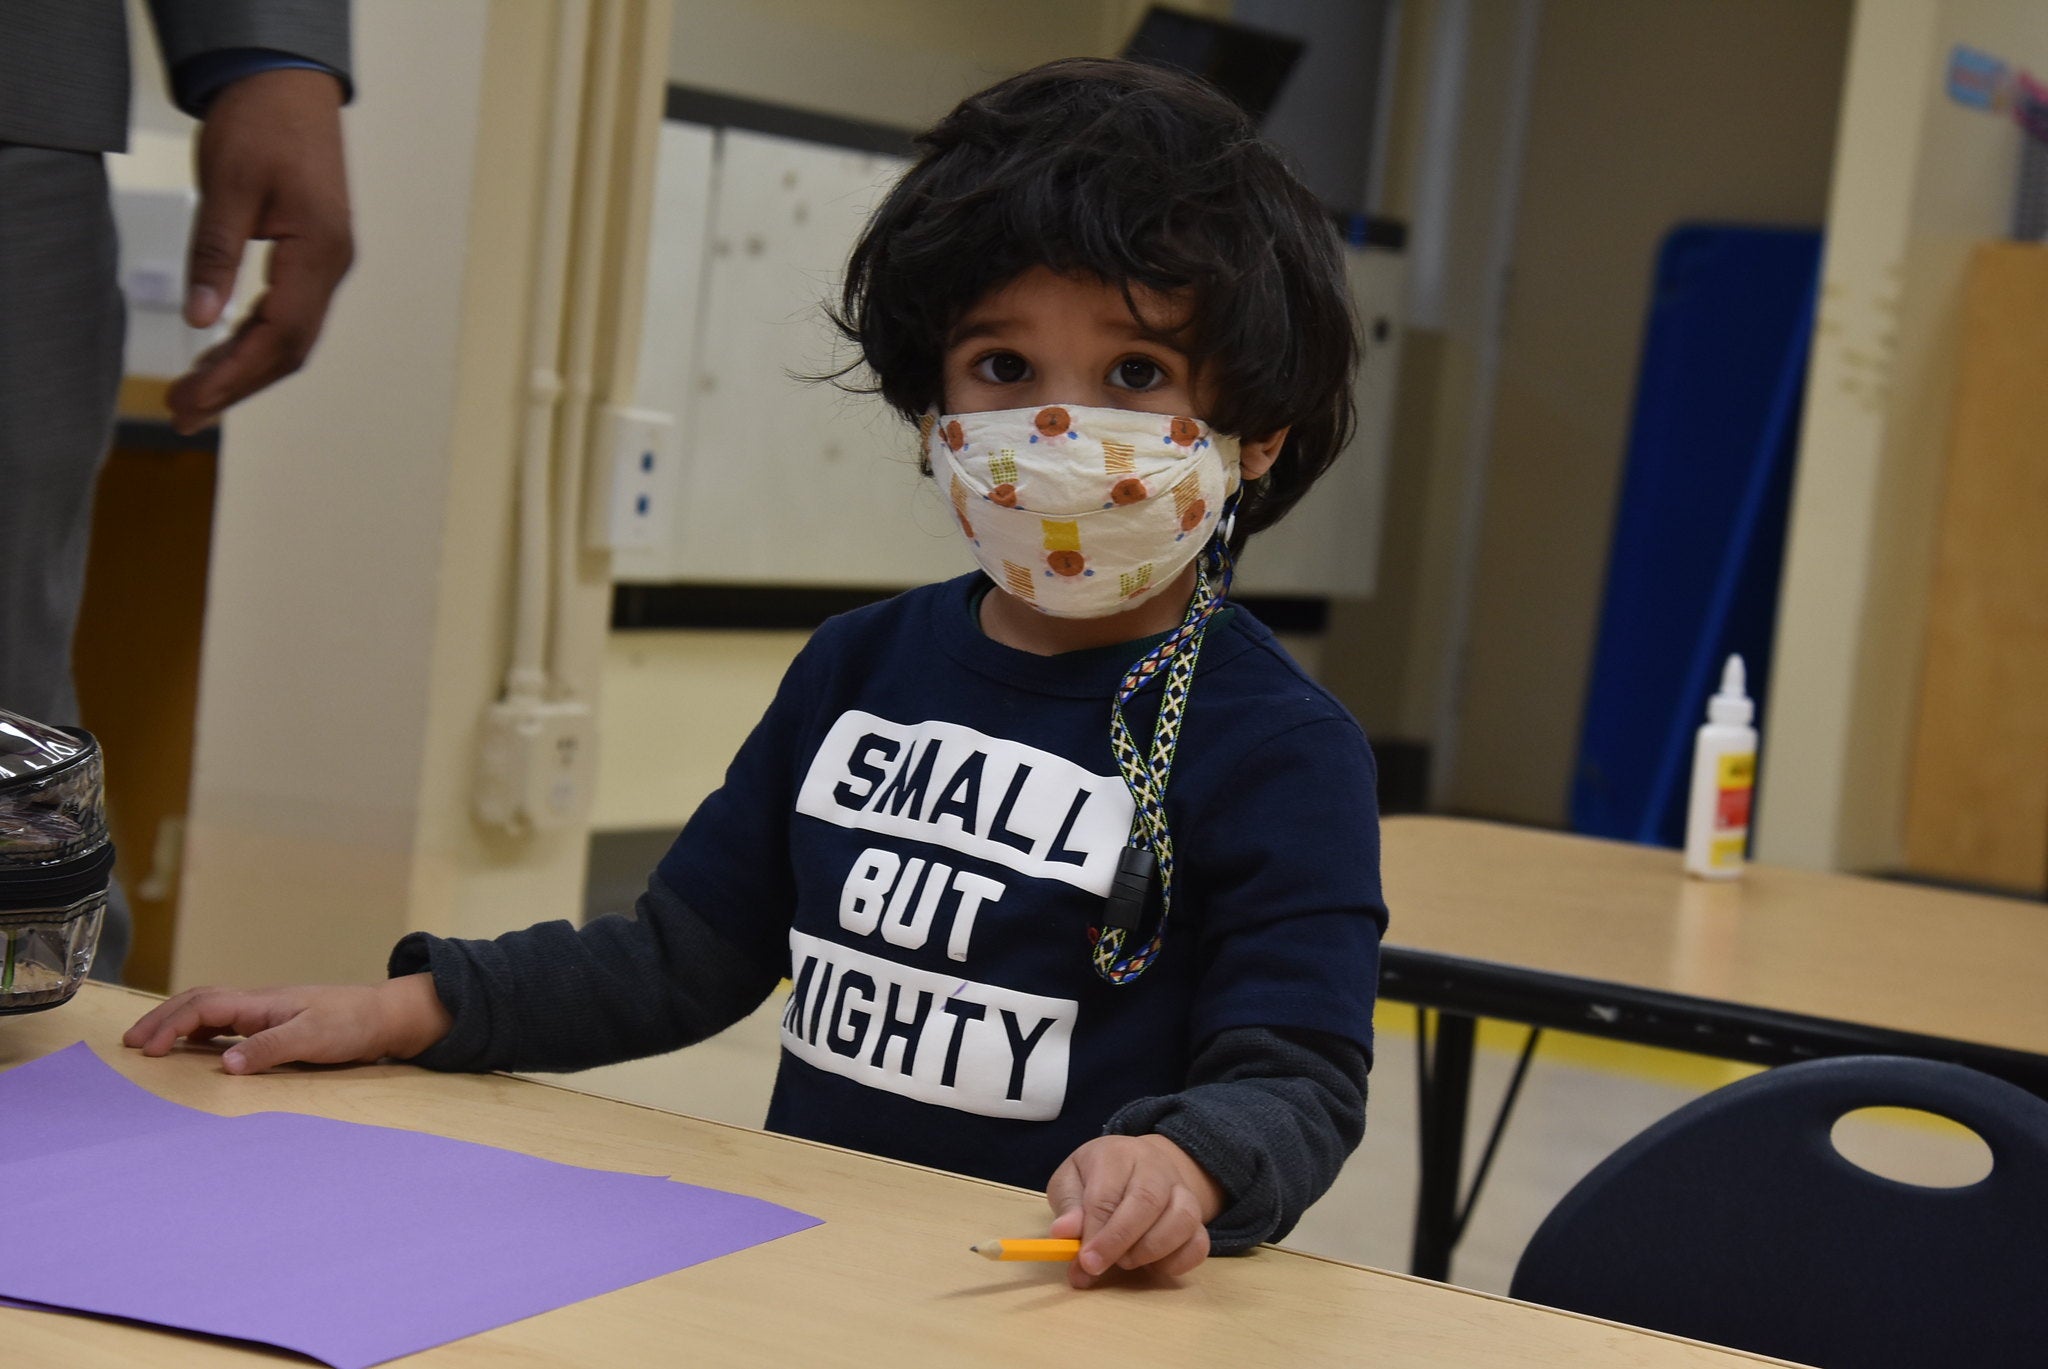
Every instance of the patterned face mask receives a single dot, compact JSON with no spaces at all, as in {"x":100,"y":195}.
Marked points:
{"x":1082,"y":512}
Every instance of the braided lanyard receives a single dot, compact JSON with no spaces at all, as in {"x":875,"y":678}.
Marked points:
{"x":1146,"y":777}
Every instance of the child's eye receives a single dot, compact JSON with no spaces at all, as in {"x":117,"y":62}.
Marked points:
{"x":1002,"y":368}
{"x":1136,"y":373}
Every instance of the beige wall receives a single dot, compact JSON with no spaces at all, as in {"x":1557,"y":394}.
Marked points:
{"x":900,"y":62}
{"x":1919,"y":181}
{"x":1389,"y":657}
{"x":358,"y":617}
{"x":674,"y":708}
{"x":1641,"y":117}
{"x":333,"y":489}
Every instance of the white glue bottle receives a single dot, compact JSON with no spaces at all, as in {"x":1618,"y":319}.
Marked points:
{"x":1723,"y":779}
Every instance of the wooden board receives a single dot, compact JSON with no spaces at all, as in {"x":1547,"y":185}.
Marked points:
{"x":136,"y":663}
{"x":1977,"y":802}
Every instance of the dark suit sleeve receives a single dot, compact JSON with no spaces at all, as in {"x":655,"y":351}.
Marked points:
{"x":316,"y":30}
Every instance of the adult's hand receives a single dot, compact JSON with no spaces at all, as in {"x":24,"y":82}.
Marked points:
{"x":270,"y":167}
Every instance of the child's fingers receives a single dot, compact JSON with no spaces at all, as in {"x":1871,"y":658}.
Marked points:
{"x":216,"y":1010}
{"x":292,"y":1039}
{"x":1191,"y":1253}
{"x":146,"y":1025}
{"x":1063,"y":1194}
{"x":1177,"y":1224}
{"x":1132,"y":1202}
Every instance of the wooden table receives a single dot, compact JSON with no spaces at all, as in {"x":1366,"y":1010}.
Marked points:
{"x":1612,"y":939}
{"x":886,"y":1280}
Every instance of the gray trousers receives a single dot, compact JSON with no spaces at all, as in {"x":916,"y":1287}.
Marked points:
{"x":62,"y":324}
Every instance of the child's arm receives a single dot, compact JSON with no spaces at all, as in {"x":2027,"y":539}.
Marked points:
{"x":557,"y":996}
{"x":1272,"y":1115}
{"x":1260,"y":1132}
{"x":560,"y":997}
{"x":552,"y":997}
{"x":1281,"y":840}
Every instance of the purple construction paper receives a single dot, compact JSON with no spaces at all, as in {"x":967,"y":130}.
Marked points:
{"x":71,"y":1098}
{"x":353,"y":1244}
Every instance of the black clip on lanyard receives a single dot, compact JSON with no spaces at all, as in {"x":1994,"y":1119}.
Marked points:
{"x":1134,"y":890}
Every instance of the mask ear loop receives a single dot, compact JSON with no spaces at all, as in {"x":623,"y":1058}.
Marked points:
{"x":1145,"y":868}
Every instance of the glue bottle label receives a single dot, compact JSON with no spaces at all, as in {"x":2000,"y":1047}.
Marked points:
{"x":1734,"y":783}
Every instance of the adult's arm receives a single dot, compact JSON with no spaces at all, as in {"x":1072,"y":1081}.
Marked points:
{"x":315,"y":30}
{"x":269,"y":168}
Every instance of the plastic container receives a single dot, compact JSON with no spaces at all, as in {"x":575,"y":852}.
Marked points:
{"x":55,"y":861}
{"x":1723,"y":782}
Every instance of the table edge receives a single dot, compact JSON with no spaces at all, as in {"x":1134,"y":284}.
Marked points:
{"x":1661,"y":1017}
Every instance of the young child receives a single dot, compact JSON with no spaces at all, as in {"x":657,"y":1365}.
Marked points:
{"x":1074,"y":872}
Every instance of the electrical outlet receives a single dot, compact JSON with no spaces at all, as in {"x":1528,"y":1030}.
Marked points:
{"x":623,"y":506}
{"x":537,"y":767}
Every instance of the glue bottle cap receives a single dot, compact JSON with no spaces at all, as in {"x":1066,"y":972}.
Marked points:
{"x":1731,"y":705}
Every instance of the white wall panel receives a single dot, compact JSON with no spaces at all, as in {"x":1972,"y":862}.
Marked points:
{"x":684,"y":187}
{"x":782,"y":480}
{"x":1330,"y":543}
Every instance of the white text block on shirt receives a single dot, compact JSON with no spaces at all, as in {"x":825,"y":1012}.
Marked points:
{"x":1014,"y":805}
{"x":973,"y":1047}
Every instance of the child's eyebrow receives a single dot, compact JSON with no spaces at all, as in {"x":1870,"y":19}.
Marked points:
{"x":970,"y":329}
{"x":1174,"y":339}
{"x":1175,"y":335}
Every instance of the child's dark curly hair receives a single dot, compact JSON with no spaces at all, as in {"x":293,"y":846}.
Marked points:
{"x":1137,"y":175}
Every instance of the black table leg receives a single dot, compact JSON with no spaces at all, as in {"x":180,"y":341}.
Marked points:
{"x":1445,"y":1092}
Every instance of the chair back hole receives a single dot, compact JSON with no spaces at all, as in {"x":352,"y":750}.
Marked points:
{"x":1909,"y":1146}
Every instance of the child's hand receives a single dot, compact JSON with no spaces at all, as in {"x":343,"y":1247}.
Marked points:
{"x":1133,"y":1201}
{"x":324,"y":1025}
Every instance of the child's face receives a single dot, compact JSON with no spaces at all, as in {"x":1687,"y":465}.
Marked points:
{"x":1045,"y":338}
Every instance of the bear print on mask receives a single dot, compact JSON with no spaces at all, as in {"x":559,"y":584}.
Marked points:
{"x":1063,"y":547}
{"x":1051,"y":423}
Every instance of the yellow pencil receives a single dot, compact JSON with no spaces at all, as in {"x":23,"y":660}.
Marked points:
{"x":1040,"y":1248}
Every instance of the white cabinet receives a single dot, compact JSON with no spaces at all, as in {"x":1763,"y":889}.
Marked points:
{"x":777,"y":480}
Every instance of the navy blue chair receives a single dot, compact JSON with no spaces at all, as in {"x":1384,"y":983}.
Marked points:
{"x":1735,"y":1220}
